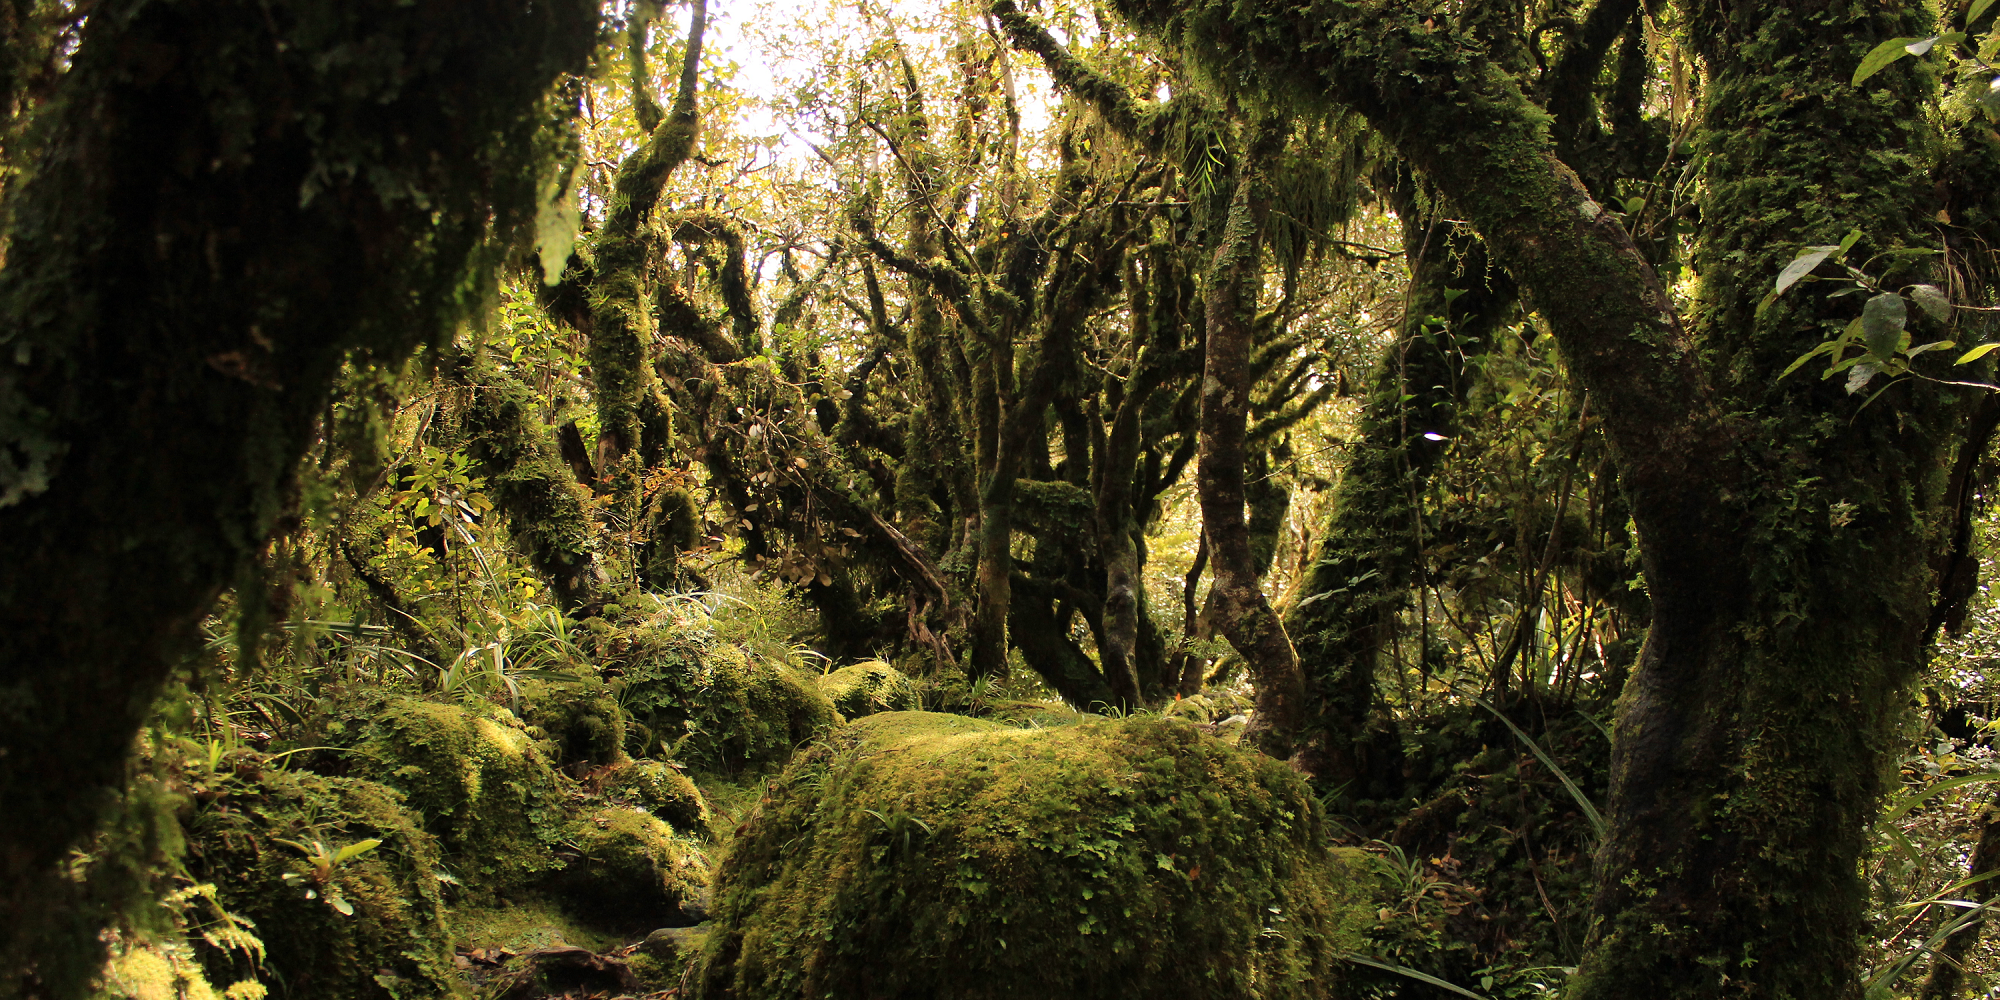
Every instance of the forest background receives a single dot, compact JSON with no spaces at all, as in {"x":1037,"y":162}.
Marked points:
{"x":1557,"y":430}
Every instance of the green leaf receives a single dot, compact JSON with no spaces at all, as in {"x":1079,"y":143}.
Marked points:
{"x":1880,"y":57}
{"x":1422,"y":977}
{"x":1932,"y":299}
{"x":346,"y":908}
{"x":1633,"y":206}
{"x":1859,"y":376}
{"x":1882,"y":322}
{"x":1978,"y":8}
{"x":1847,"y":242}
{"x":1920,"y":46}
{"x":1807,"y":356}
{"x":1935,"y":345}
{"x":357,"y":849}
{"x":1802,"y":265}
{"x":1900,"y":809}
{"x":1976,"y":353}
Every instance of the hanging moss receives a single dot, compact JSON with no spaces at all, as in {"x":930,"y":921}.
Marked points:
{"x":866,"y":688}
{"x":660,"y":789}
{"x":929,"y":855}
{"x":480,"y":783}
{"x":368,"y":925}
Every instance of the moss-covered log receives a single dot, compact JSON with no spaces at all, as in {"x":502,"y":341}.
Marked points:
{"x":939,"y":856}
{"x":231,"y":198}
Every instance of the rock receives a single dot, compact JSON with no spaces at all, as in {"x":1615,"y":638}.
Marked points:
{"x":672,"y":945}
{"x":866,"y":688}
{"x":628,"y":868}
{"x":662,"y":790}
{"x":913,"y":854}
{"x":481,"y":783}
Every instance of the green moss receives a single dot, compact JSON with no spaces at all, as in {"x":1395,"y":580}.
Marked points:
{"x":866,"y":688}
{"x":660,"y":789}
{"x":707,"y":701}
{"x":523,"y":923}
{"x":929,"y":855}
{"x":1029,"y":713}
{"x":627,"y":868}
{"x":581,"y":719}
{"x":479,"y":781}
{"x":366,"y":926}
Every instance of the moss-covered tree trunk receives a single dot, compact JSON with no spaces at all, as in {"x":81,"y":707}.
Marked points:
{"x":233,"y":196}
{"x":1242,"y":613}
{"x":1790,"y":598}
{"x":1363,"y":571}
{"x":533,"y":487}
{"x":1785,"y":534}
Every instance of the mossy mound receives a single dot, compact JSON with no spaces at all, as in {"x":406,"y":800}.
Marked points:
{"x":920,"y":855}
{"x":660,"y":789}
{"x":339,"y":919}
{"x":580,"y":719}
{"x":867,"y":688}
{"x":626,"y":868}
{"x":480,"y":781}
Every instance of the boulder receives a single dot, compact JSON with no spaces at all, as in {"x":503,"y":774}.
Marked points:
{"x":867,"y":688}
{"x":921,"y":855}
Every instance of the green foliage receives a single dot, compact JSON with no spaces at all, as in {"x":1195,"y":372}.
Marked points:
{"x":917,"y":854}
{"x":710,"y":702}
{"x":336,"y":877}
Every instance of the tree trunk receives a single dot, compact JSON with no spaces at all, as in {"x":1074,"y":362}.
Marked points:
{"x":1369,"y":551}
{"x":1242,"y":613}
{"x":1947,"y":966}
{"x":1786,"y":538}
{"x":226,"y":207}
{"x":530,"y":483}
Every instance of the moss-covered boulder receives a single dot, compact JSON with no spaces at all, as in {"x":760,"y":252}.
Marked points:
{"x":867,"y":688}
{"x":920,"y":855}
{"x":579,"y":719}
{"x":335,"y":876}
{"x":480,"y":781}
{"x":660,"y":789}
{"x":626,"y":868}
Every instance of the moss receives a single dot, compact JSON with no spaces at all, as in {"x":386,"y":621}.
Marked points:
{"x":732,"y":709}
{"x":523,"y":923}
{"x":366,"y":926}
{"x":660,"y":789}
{"x":708,"y":700}
{"x":627,"y":868}
{"x":480,"y":783}
{"x":580,"y":718}
{"x":915,"y":854}
{"x":866,"y":688}
{"x":1028,"y":713}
